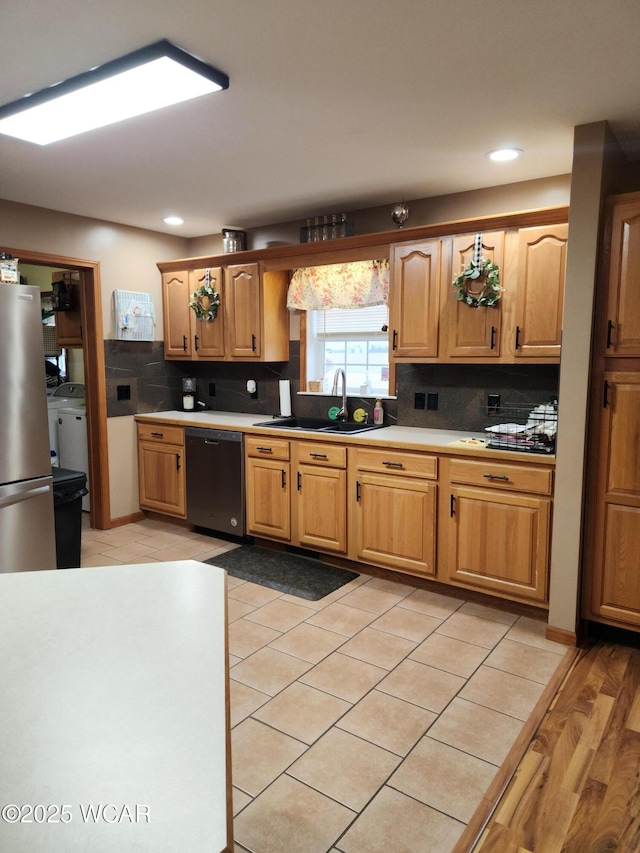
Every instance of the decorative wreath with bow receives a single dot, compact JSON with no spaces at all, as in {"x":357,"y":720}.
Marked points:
{"x":478,"y":285}
{"x":205,"y":301}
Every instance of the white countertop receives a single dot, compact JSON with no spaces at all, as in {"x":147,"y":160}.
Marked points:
{"x":457,"y":442}
{"x":114,"y":694}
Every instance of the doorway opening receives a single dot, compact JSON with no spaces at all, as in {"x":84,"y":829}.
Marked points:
{"x":94,"y":372}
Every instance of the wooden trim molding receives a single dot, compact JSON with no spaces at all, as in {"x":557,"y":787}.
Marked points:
{"x":560,"y":635}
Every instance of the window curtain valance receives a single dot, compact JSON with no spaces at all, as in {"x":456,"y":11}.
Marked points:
{"x":352,"y":285}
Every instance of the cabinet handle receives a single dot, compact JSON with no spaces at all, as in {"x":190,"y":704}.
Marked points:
{"x":196,"y":342}
{"x":357,"y":491}
{"x":394,"y":344}
{"x":496,"y":477}
{"x":184,"y":343}
{"x":393,"y":464}
{"x":253,"y":343}
{"x":452,"y":506}
{"x":605,"y":395}
{"x":610,"y":328}
{"x":284,"y":478}
{"x":265,"y":449}
{"x":517,"y":337}
{"x":493,"y":337}
{"x":157,"y":434}
{"x":299,"y":481}
{"x":177,"y":461}
{"x":318,"y":455}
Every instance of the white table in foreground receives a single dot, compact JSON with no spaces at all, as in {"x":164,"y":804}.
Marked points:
{"x":114,"y":727}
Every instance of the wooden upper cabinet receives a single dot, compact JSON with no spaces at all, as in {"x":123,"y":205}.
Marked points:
{"x":415,"y":299}
{"x":473,"y":332}
{"x":623,"y":320}
{"x":208,"y":335}
{"x":243,"y":310}
{"x":177,"y":322}
{"x":539,"y":296}
{"x":69,"y":323}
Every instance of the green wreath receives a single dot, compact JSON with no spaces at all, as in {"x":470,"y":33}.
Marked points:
{"x":205,"y":302}
{"x":484,"y":273}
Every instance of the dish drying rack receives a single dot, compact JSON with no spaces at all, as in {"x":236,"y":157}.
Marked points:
{"x":530,"y":429}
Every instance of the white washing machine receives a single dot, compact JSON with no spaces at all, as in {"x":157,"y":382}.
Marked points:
{"x":68,"y":394}
{"x":73,"y":451}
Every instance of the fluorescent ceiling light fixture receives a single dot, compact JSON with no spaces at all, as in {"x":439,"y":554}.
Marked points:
{"x":501,"y":155}
{"x":173,"y":220}
{"x":148,"y":79}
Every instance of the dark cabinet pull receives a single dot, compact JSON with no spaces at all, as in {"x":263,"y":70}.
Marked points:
{"x":394,"y":344}
{"x":299,"y":481}
{"x":184,"y":343}
{"x":393,"y":464}
{"x":496,"y":477}
{"x":264,"y":449}
{"x":318,"y":455}
{"x":157,"y":434}
{"x":517,"y":337}
{"x":253,"y":343}
{"x":177,"y":461}
{"x":357,"y":491}
{"x":493,"y":337}
{"x":610,"y":328}
{"x":452,"y":506}
{"x":284,"y":478}
{"x":605,"y":395}
{"x":196,"y":342}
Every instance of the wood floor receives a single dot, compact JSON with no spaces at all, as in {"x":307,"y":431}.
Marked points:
{"x":577,"y":788}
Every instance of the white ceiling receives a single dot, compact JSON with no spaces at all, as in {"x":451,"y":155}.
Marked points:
{"x":332,"y":105}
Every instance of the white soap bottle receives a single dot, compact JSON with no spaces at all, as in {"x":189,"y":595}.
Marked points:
{"x":378,"y":412}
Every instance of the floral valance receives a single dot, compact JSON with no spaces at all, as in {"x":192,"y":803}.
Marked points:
{"x":353,"y":285}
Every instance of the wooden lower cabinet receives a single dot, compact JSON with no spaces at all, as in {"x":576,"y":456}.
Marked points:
{"x":161,"y":471}
{"x":268,"y":488}
{"x":320,"y":497}
{"x":394,"y":510}
{"x":498,"y":531}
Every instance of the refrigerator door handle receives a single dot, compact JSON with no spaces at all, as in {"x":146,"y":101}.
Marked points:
{"x":13,"y":494}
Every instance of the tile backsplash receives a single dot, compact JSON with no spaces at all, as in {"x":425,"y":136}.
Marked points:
{"x":138,"y":369}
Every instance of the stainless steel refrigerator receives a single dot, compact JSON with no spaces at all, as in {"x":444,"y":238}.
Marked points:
{"x":27,"y":531}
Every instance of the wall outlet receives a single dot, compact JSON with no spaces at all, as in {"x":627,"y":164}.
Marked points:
{"x":432,"y":402}
{"x":493,"y":403}
{"x":123,"y":392}
{"x":212,"y":389}
{"x":419,"y":400}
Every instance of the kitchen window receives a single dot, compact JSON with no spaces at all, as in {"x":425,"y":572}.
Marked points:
{"x":352,"y":339}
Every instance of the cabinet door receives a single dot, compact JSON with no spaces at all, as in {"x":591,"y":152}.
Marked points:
{"x":623,"y":305}
{"x":321,"y":508}
{"x":542,"y":257}
{"x":208,"y":335}
{"x":177,"y":319}
{"x":499,"y":542}
{"x":395,"y":523}
{"x":415,"y":299}
{"x":69,"y":323}
{"x":473,"y":332}
{"x":243,"y":310}
{"x":161,"y":478}
{"x":268,"y":498}
{"x":616,"y":582}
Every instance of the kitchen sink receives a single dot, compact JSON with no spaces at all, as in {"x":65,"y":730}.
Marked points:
{"x":319,"y":425}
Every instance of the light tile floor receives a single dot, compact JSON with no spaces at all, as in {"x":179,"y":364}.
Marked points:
{"x":372,"y":720}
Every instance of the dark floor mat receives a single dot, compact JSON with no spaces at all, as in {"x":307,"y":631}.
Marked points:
{"x":290,"y":573}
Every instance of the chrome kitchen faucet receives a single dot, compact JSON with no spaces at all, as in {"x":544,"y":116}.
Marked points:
{"x":343,"y":414}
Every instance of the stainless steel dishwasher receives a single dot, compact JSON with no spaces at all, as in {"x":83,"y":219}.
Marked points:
{"x":215,"y":479}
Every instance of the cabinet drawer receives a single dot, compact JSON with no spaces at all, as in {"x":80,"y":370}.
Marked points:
{"x":161,"y":433}
{"x":519,"y":478}
{"x":390,"y":461}
{"x":267,"y":447}
{"x":329,"y":455}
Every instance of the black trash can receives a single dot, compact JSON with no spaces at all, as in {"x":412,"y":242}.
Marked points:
{"x":69,"y":487}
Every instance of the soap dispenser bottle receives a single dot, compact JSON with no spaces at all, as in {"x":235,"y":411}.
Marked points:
{"x":378,"y":412}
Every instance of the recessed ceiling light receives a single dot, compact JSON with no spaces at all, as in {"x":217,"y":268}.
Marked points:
{"x":173,"y":220}
{"x":148,"y":79}
{"x":501,"y":155}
